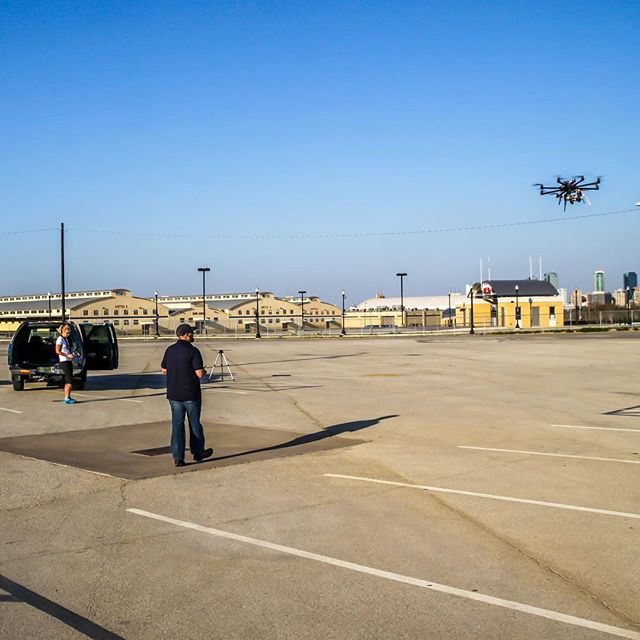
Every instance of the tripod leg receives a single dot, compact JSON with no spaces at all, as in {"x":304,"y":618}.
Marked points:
{"x":226,"y":364}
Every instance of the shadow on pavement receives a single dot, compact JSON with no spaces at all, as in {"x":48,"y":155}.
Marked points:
{"x":328,"y":432}
{"x":85,"y":626}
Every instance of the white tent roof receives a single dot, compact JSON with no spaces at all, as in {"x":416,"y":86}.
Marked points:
{"x":412,"y":302}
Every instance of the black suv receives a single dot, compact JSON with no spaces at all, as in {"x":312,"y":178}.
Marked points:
{"x":32,"y":352}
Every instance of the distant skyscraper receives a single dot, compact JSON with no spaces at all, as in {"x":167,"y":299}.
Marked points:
{"x":552,"y":278}
{"x":630,"y":279}
{"x":598,"y":281}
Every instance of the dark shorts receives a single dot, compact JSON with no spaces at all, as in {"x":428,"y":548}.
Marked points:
{"x":67,"y":370}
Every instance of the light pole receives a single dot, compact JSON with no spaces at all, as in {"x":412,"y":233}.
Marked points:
{"x":155,"y":295}
{"x":204,"y":304}
{"x":343,"y":332}
{"x":472,"y":329}
{"x":449,"y":310}
{"x":531,"y":312}
{"x":575,"y":299}
{"x":49,"y":303}
{"x":401,"y":276}
{"x":517,"y":308}
{"x":302,"y":313}
{"x":258,"y":313}
{"x":628,"y":306}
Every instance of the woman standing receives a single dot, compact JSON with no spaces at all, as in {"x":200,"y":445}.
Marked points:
{"x":64,"y":351}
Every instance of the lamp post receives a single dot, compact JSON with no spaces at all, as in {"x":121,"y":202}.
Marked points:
{"x":302,"y":313}
{"x":449,"y":310}
{"x":343,"y":332}
{"x":155,"y":293}
{"x":258,"y":313}
{"x":628,"y":306}
{"x":204,"y":304}
{"x":472,"y":329}
{"x":575,"y":300}
{"x":531,"y":312}
{"x":49,"y":303}
{"x":517,"y":308}
{"x":401,"y":276}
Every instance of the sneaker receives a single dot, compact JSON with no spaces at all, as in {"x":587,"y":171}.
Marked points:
{"x":207,"y":453}
{"x":70,"y":401}
{"x":178,"y":463}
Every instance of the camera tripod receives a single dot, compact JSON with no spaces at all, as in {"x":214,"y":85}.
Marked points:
{"x":221,"y":361}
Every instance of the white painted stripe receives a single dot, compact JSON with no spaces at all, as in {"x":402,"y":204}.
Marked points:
{"x":553,"y":455}
{"x":10,"y":410}
{"x":490,"y":496}
{"x":242,"y":393}
{"x":397,"y":577}
{"x":573,"y":426}
{"x":86,"y":395}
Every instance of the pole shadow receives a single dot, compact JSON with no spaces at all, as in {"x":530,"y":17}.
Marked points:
{"x":86,"y":627}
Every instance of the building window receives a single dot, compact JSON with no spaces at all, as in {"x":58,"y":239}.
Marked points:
{"x":552,"y":311}
{"x":239,"y":321}
{"x":95,"y":312}
{"x":85,"y":312}
{"x":144,"y":312}
{"x":115,"y":322}
{"x":116,"y":312}
{"x":181,"y":320}
{"x":126,"y":321}
{"x":136,"y":321}
{"x":135,"y":312}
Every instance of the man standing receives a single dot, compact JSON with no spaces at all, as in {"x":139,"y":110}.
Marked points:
{"x":183,"y":365}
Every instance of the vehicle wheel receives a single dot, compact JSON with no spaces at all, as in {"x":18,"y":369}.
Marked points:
{"x":18,"y":384}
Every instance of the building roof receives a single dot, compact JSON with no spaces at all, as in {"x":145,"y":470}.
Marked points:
{"x":506,"y":288}
{"x":411,"y":302}
{"x":43,"y":305}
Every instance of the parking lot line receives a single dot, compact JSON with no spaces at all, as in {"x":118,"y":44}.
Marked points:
{"x":9,"y":410}
{"x":490,"y":496}
{"x":86,"y":395}
{"x":556,"y":616}
{"x":553,"y":455}
{"x":573,"y":426}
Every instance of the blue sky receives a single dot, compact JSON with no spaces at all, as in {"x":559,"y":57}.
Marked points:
{"x":267,"y":139}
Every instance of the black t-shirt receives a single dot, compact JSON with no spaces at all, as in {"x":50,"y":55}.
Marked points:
{"x":182,"y":360}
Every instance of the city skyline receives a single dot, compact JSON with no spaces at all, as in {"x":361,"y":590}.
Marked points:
{"x":319,"y":147}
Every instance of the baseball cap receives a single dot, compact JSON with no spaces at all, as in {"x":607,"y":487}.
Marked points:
{"x":184,"y":329}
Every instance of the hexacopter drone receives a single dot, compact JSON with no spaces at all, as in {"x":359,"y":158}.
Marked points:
{"x":570,"y":190}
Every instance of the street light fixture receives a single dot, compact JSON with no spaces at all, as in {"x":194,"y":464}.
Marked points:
{"x":204,"y":304}
{"x":472,"y":329}
{"x":343,"y":332}
{"x":157,"y":319}
{"x":401,"y":276}
{"x":302,"y":313}
{"x":258,"y":313}
{"x":517,"y":308}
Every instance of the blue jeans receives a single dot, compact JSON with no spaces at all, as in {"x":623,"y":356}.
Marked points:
{"x":192,"y":410}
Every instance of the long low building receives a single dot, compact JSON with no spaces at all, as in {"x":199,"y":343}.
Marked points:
{"x":132,"y":315}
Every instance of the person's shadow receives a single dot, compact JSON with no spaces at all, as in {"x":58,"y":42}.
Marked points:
{"x":328,"y":432}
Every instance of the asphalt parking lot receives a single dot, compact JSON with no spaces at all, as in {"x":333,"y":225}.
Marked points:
{"x":429,"y":487}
